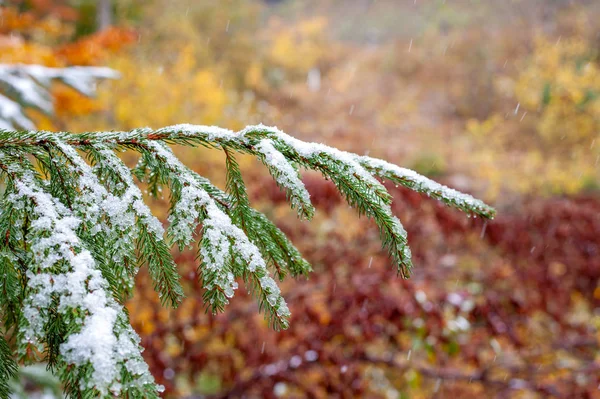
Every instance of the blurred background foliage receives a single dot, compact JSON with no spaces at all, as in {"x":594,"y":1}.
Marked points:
{"x":501,"y":99}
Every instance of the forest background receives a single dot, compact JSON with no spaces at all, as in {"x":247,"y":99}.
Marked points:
{"x":499,"y":99}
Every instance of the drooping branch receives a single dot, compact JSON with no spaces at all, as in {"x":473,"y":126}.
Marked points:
{"x":249,"y":140}
{"x":76,"y":232}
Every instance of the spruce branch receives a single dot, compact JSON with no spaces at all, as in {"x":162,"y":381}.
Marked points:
{"x":67,"y":313}
{"x":279,"y":253}
{"x":145,"y":229}
{"x":28,"y":86}
{"x":8,"y":367}
{"x":421,"y":184}
{"x":74,"y":230}
{"x":286,"y":175}
{"x":225,"y":251}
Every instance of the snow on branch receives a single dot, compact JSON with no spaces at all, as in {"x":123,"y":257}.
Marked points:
{"x":76,"y":229}
{"x":65,"y":285}
{"x":286,"y":176}
{"x":27,"y":86}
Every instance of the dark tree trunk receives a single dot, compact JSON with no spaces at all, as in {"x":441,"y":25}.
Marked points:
{"x":103,"y":14}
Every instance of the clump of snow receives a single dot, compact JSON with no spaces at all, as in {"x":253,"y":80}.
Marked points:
{"x":209,"y":133}
{"x":103,"y":211}
{"x":63,"y":268}
{"x":285,"y":175}
{"x":133,"y":195}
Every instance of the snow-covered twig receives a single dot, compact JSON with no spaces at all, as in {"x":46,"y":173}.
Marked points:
{"x":76,"y":231}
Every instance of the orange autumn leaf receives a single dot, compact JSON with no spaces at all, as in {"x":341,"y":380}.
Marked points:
{"x":93,"y":49}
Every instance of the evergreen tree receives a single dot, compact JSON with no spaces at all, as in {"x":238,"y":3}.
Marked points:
{"x":74,"y":231}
